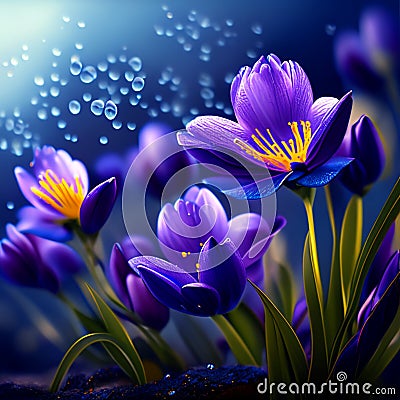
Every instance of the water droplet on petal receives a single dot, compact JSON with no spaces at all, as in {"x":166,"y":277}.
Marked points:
{"x":135,"y":63}
{"x":113,"y":75}
{"x":97,"y":107}
{"x":81,"y":24}
{"x":88,"y":74}
{"x":87,"y":97}
{"x":206,"y":93}
{"x":110,"y":110}
{"x":102,"y":66}
{"x":74,"y":107}
{"x":138,"y":84}
{"x":10,"y":205}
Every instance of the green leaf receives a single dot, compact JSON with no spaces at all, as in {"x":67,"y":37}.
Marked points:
{"x":237,"y":345}
{"x":350,"y":244}
{"x":285,"y":356}
{"x":334,"y":303}
{"x":386,"y":217}
{"x":117,"y":330}
{"x":78,"y":347}
{"x":319,"y":358}
{"x":282,"y":288}
{"x":250,"y":329}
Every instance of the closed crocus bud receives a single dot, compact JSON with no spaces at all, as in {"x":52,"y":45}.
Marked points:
{"x":362,"y":143}
{"x":97,"y":206}
{"x":132,"y":291}
{"x":353,"y":63}
{"x":29,"y":260}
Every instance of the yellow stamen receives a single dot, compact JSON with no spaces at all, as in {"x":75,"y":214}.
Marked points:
{"x":279,"y":155}
{"x":185,"y":254}
{"x":197,"y":267}
{"x":56,"y":192}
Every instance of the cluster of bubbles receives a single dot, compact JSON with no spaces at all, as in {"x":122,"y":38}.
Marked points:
{"x":119,"y":81}
{"x":15,"y":135}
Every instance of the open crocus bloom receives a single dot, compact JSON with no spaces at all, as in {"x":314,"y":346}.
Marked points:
{"x":58,"y":191}
{"x":215,"y":288}
{"x":279,"y":127}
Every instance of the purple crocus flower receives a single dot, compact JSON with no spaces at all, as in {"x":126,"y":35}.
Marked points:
{"x":184,"y":227}
{"x":215,"y":288}
{"x":279,"y":127}
{"x":29,"y":260}
{"x":58,"y":191}
{"x":374,"y":319}
{"x":362,"y":143}
{"x":132,"y":291}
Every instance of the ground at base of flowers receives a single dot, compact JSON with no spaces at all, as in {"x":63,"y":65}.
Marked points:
{"x":235,"y":382}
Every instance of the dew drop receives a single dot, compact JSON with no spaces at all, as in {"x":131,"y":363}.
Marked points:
{"x":61,"y":124}
{"x":34,"y":101}
{"x":229,"y":22}
{"x":251,"y":53}
{"x":67,"y":136}
{"x":103,"y":139}
{"x":3,"y":144}
{"x":187,"y":46}
{"x":19,"y":127}
{"x":102,"y":66}
{"x":14,"y":61}
{"x":55,"y":77}
{"x":210,"y":366}
{"x":206,"y":93}
{"x":81,"y":24}
{"x":229,"y":78}
{"x":129,"y":75}
{"x":75,"y":67}
{"x":113,"y":75}
{"x":88,"y":74}
{"x":135,"y":63}
{"x":42,"y":114}
{"x":55,"y":111}
{"x":117,"y":124}
{"x":122,"y":58}
{"x":74,"y":138}
{"x":66,"y":19}
{"x":205,"y":48}
{"x":110,"y":110}
{"x":330,"y":29}
{"x":111,"y":59}
{"x":134,"y":100}
{"x":97,"y":107}
{"x":38,"y":80}
{"x":10,"y":205}
{"x":257,"y":28}
{"x":165,"y":107}
{"x":54,"y":91}
{"x":25,"y":57}
{"x":56,"y":52}
{"x":124,"y":90}
{"x":131,"y":126}
{"x":87,"y":97}
{"x":169,"y":15}
{"x":138,"y":84}
{"x":74,"y":107}
{"x":159,"y":30}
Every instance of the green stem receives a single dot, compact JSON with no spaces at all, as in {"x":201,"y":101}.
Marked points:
{"x":313,"y":250}
{"x":236,"y":343}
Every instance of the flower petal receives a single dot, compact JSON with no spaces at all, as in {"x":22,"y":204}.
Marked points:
{"x":256,"y":190}
{"x":329,"y":135}
{"x":97,"y":206}
{"x":42,"y":223}
{"x":221,"y":267}
{"x":325,"y":173}
{"x":163,"y":289}
{"x":145,"y":305}
{"x":205,"y":299}
{"x":320,"y":109}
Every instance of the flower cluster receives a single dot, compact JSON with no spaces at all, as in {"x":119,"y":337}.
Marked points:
{"x":208,"y":262}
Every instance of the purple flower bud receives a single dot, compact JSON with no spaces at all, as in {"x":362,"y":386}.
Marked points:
{"x":97,"y":206}
{"x":132,"y":291}
{"x":29,"y":260}
{"x":362,"y":143}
